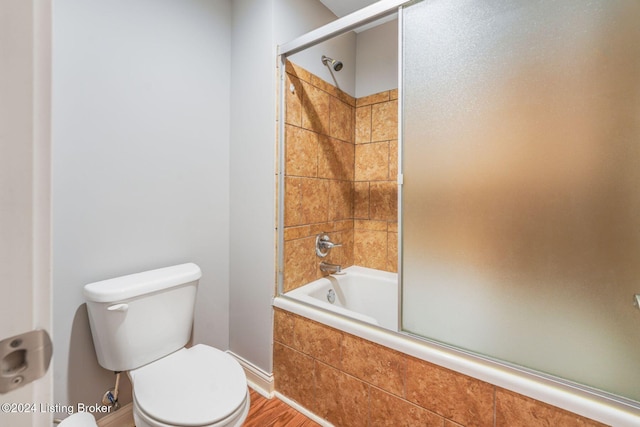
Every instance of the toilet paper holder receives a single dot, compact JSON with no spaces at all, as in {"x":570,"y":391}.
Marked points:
{"x":24,"y":358}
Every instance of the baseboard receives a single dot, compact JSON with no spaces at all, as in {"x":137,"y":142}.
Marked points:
{"x":307,"y":413}
{"x":123,"y":417}
{"x":259,"y":380}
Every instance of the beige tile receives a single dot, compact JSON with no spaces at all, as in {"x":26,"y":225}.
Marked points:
{"x":342,"y":255}
{"x":332,"y":90}
{"x":373,"y":99}
{"x":323,"y":227}
{"x":374,"y":364}
{"x":298,"y":71}
{"x":370,"y":225}
{"x":340,"y":203}
{"x":292,"y":200}
{"x":390,"y":411}
{"x":314,"y":198}
{"x":340,"y":398}
{"x":293,"y":101}
{"x":370,"y":249}
{"x":336,"y":159}
{"x":384,"y":121}
{"x":347,"y":249}
{"x":315,"y":109}
{"x":346,"y":98}
{"x":361,"y":200}
{"x":294,"y":374}
{"x":317,"y":340}
{"x":301,"y":152}
{"x":384,"y":201}
{"x":306,"y":201}
{"x":372,"y":162}
{"x":340,"y":120}
{"x":392,"y":252}
{"x":392,"y":227}
{"x":291,"y":233}
{"x":516,"y":410}
{"x":299,"y":262}
{"x":343,"y":225}
{"x":324,"y":86}
{"x":363,"y":125}
{"x":462,"y":399}
{"x":283,"y":327}
{"x":393,"y":160}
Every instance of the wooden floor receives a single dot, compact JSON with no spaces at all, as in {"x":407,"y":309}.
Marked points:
{"x":274,"y":413}
{"x":262,"y":413}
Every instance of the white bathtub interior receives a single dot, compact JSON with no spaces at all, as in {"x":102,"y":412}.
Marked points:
{"x":360,"y":293}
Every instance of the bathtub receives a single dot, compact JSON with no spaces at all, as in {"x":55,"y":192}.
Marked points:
{"x":360,"y":293}
{"x":366,"y":305}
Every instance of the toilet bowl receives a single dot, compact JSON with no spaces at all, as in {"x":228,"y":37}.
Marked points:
{"x":79,"y":419}
{"x":140,"y":324}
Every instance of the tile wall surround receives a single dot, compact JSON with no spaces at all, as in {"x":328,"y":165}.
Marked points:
{"x":340,"y":177}
{"x":353,"y":382}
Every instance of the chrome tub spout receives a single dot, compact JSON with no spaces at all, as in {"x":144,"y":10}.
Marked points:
{"x":330,"y":268}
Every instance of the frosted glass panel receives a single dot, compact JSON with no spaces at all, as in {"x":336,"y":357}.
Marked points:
{"x":521,"y":198}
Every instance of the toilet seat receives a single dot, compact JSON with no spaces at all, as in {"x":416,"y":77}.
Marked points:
{"x":199,"y":386}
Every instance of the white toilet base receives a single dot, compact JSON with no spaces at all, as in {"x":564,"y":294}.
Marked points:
{"x":236,"y":419}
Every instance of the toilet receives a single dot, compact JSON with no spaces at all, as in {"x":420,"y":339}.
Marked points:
{"x":140,"y":323}
{"x":79,"y":419}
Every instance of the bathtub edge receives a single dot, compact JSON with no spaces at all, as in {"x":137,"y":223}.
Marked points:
{"x":555,"y":393}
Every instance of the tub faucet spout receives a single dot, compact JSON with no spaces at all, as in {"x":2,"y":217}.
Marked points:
{"x":330,"y":268}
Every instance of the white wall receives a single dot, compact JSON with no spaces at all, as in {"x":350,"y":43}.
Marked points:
{"x":252,"y":244}
{"x":140,"y":163}
{"x":258,"y":26}
{"x":370,"y":57}
{"x":155,"y":162}
{"x":295,"y":18}
{"x":377,"y":59}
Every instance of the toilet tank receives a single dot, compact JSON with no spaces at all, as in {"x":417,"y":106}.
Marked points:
{"x":139,"y":318}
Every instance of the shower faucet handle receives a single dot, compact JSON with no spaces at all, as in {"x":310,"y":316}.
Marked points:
{"x":328,"y":244}
{"x":324,"y":245}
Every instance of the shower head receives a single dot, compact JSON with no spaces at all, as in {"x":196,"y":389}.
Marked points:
{"x":333,"y":63}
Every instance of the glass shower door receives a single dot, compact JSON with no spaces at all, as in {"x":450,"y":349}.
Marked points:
{"x":521,"y":194}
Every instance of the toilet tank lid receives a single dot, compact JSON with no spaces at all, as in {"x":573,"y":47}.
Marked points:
{"x":133,"y":285}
